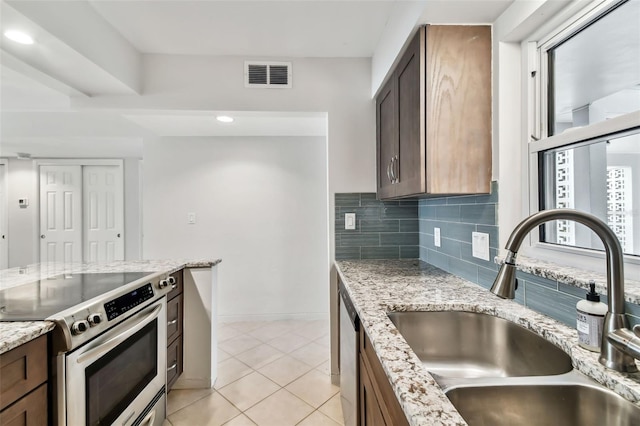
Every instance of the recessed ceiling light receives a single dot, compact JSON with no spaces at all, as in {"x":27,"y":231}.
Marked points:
{"x":224,"y":119}
{"x":18,"y":37}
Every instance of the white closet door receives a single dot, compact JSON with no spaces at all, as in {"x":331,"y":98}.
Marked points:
{"x":4,"y":246}
{"x":60,"y":214}
{"x":103,"y":213}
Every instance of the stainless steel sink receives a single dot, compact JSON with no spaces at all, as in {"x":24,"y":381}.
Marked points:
{"x":471,"y":345}
{"x":574,"y":404}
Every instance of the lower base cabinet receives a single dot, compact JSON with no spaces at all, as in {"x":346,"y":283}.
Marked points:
{"x":378,"y":403}
{"x":24,"y":399}
{"x":27,"y":411}
{"x":175,"y":327}
{"x":174,"y":361}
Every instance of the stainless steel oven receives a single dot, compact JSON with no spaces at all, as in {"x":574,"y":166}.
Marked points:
{"x":109,"y":343}
{"x":112,"y":379}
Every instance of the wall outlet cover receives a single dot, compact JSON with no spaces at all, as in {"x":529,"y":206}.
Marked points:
{"x":480,"y":245}
{"x":350,"y":221}
{"x":436,"y":237}
{"x":191,"y":218}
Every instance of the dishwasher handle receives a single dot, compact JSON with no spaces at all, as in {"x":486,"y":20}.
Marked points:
{"x":351,"y":310}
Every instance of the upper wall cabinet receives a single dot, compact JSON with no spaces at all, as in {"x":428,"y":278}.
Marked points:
{"x":433,"y":116}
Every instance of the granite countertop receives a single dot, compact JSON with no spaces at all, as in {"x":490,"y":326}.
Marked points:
{"x":377,"y":287}
{"x":14,"y":334}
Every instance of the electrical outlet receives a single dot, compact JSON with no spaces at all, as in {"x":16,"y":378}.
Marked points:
{"x":436,"y":237}
{"x":350,"y":221}
{"x":191,"y":218}
{"x":480,"y":245}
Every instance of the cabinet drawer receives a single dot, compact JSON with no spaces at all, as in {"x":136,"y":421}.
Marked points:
{"x":28,"y":411}
{"x":22,"y":369}
{"x":174,"y":318}
{"x":178,"y":286}
{"x":174,"y":362}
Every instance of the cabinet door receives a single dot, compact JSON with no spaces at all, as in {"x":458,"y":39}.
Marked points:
{"x":22,"y":369}
{"x":370,"y":414}
{"x":28,"y":411}
{"x":174,"y":318}
{"x":174,"y":362}
{"x":387,"y":137}
{"x":458,"y":99}
{"x":409,"y":166}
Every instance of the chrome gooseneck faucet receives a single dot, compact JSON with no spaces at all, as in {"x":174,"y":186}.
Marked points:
{"x":619,"y":345}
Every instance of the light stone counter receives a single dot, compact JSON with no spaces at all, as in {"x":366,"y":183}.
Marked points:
{"x":14,"y":334}
{"x":379,"y":286}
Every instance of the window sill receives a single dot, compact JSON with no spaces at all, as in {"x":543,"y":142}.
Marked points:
{"x":572,"y":276}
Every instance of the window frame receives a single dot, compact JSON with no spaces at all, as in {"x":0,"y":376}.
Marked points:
{"x":538,"y":140}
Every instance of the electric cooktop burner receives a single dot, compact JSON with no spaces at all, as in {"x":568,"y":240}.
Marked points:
{"x":41,"y":299}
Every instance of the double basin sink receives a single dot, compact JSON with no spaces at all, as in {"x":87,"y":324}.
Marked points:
{"x":496,"y":372}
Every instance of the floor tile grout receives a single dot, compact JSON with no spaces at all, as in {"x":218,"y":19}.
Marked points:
{"x":312,"y":347}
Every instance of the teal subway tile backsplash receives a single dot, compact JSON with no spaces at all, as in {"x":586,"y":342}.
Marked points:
{"x":384,"y":229}
{"x":405,"y":230}
{"x":458,"y":217}
{"x":557,"y":305}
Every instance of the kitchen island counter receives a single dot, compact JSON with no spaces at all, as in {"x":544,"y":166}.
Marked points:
{"x":14,"y":334}
{"x":377,"y":287}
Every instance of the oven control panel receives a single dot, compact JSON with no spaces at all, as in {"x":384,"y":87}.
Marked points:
{"x":116,"y":307}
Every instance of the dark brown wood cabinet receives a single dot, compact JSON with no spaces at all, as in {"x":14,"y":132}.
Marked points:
{"x":378,"y":402}
{"x":433,"y":115}
{"x":175,"y":319}
{"x":23,"y":384}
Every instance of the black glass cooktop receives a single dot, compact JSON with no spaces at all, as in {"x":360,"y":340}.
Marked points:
{"x":41,"y":299}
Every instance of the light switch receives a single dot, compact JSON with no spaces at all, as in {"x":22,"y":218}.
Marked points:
{"x":436,"y":237}
{"x":350,"y":221}
{"x":191,"y":218}
{"x":480,"y":245}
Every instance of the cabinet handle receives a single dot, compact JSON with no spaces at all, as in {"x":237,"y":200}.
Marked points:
{"x":172,"y":321}
{"x":173,"y":366}
{"x":396,"y":170}
{"x":393,"y":174}
{"x":389,"y":171}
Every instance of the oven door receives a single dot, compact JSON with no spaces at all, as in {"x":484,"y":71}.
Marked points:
{"x":118,"y":375}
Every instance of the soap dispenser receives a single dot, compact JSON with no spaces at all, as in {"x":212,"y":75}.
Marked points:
{"x":590,"y":318}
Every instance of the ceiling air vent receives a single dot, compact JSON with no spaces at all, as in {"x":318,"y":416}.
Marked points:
{"x":267,"y":74}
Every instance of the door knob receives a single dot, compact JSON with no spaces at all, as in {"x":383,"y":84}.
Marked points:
{"x":42,"y":236}
{"x":118,"y":235}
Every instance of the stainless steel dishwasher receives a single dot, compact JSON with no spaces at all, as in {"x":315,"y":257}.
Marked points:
{"x":349,"y":371}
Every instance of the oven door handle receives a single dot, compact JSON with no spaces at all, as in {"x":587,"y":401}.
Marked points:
{"x":115,"y":341}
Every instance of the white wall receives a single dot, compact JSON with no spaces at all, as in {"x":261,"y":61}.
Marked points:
{"x":261,"y":205}
{"x":338,"y":86}
{"x":24,"y":222}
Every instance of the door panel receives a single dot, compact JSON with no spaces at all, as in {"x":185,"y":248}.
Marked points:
{"x":103,"y":209}
{"x":387,"y":137}
{"x":410,"y":168}
{"x":60,"y":214}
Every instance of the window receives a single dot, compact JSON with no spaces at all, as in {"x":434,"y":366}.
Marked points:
{"x":587,"y":155}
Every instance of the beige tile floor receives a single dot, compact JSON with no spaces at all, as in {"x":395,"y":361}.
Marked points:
{"x":270,"y":373}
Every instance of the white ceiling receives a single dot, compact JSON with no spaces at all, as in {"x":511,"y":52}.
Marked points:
{"x":95,"y":47}
{"x":250,"y":28}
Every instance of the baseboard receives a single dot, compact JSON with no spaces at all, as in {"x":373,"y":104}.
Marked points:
{"x":198,"y":383}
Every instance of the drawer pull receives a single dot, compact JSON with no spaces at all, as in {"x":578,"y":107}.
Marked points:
{"x":173,"y":366}
{"x":172,"y":321}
